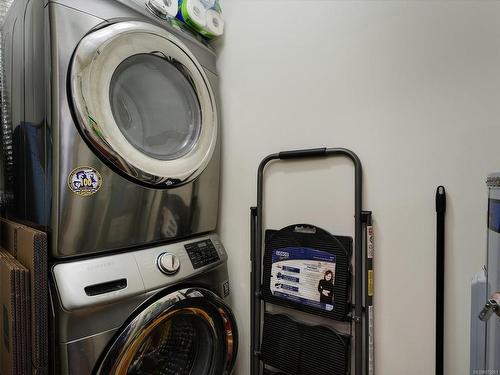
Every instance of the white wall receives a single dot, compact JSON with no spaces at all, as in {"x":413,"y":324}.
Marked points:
{"x":414,"y":89}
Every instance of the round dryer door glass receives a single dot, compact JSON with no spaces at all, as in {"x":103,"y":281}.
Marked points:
{"x":155,"y":106}
{"x":186,"y":332}
{"x":144,"y":104}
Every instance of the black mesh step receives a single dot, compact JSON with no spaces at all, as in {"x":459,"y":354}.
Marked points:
{"x":270,"y":372}
{"x":300,"y":349}
{"x":281,"y":343}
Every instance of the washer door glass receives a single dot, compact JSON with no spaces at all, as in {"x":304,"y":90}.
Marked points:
{"x":160,"y":128}
{"x":183,"y":344}
{"x":143,"y":103}
{"x":186,"y":332}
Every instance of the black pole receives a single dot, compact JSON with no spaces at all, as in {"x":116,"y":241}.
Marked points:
{"x":257,"y":266}
{"x":369,"y":292}
{"x":254,"y":300}
{"x":440,"y":213}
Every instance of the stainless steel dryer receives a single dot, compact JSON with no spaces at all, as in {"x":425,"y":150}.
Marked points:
{"x":160,"y":310}
{"x":110,"y":125}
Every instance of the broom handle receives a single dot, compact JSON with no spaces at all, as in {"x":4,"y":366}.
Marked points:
{"x":440,"y":231}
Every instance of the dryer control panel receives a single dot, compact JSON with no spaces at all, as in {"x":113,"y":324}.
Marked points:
{"x":98,"y":280}
{"x":202,"y":253}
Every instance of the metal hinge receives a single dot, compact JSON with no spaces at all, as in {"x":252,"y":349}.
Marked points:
{"x":492,"y":306}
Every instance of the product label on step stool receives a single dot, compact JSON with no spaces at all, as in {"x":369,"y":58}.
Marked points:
{"x":371,"y":250}
{"x":304,"y":275}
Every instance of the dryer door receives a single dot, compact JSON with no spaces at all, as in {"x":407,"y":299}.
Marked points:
{"x":143,"y":103}
{"x":186,"y":332}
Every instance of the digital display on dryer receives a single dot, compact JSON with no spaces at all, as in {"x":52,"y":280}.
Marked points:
{"x":202,"y":253}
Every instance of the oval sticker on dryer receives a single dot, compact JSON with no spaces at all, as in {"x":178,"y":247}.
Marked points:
{"x":84,"y":181}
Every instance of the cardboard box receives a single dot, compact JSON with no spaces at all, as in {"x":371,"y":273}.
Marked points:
{"x":8,"y":349}
{"x":14,"y":307}
{"x":30,"y":248}
{"x":8,"y":236}
{"x":32,"y":253}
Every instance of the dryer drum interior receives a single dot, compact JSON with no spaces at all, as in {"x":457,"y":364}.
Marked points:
{"x":186,"y":332}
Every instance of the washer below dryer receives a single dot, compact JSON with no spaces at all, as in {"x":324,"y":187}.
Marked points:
{"x":160,"y":310}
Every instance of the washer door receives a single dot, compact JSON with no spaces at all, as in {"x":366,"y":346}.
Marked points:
{"x":143,"y":103}
{"x":186,"y":332}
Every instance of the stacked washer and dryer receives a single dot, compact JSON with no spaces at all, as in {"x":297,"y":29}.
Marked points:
{"x":111,"y":145}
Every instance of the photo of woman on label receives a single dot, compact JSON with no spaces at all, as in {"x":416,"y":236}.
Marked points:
{"x":325,"y":288}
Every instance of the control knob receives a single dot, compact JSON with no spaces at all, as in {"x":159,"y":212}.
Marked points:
{"x":168,"y":263}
